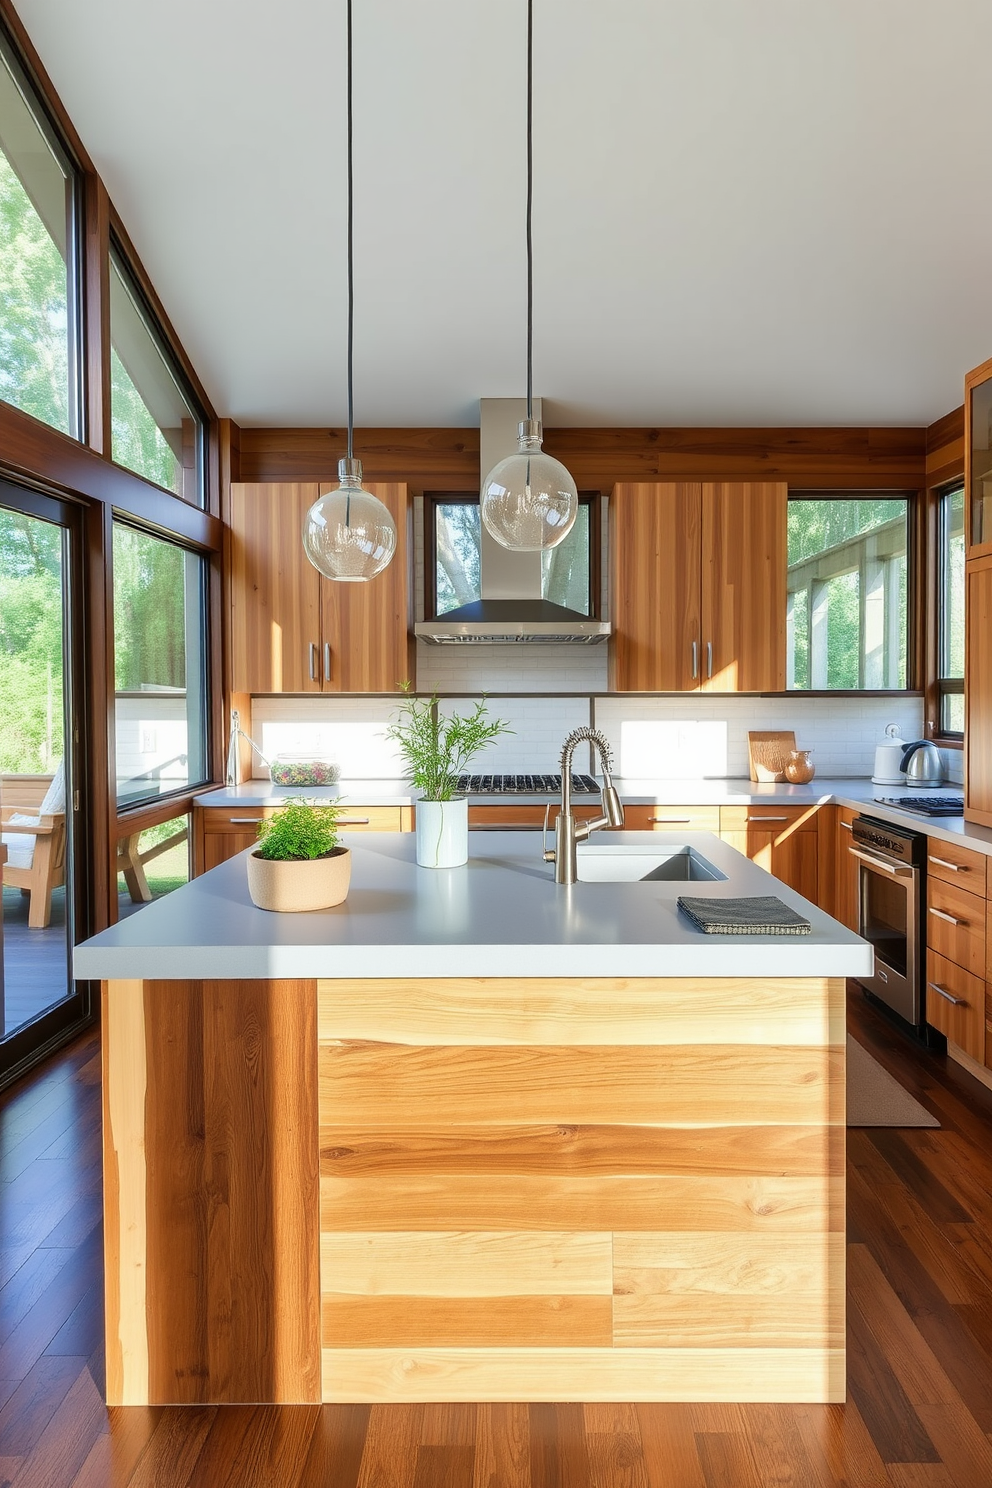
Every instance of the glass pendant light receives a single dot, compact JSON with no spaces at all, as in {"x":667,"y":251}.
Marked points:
{"x":529,"y":501}
{"x":349,"y":535}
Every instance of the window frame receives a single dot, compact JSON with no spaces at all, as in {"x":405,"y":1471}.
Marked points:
{"x":433,"y":499}
{"x":135,"y":285}
{"x":914,"y":555}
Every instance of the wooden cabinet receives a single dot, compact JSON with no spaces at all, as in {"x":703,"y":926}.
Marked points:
{"x":698,"y":587}
{"x":221,"y":832}
{"x":978,"y":691}
{"x":978,"y":459}
{"x":956,"y":865}
{"x":956,"y":925}
{"x":509,"y":818}
{"x":672,"y":818}
{"x":837,"y":868}
{"x":956,"y":1005}
{"x":780,"y":839}
{"x":292,"y":630}
{"x":959,"y":955}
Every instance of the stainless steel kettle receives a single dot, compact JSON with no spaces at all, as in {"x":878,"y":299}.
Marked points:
{"x":921,"y":764}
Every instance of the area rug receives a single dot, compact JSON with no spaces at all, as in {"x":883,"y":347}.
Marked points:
{"x":874,"y":1098}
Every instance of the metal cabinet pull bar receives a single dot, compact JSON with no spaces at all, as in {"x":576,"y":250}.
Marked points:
{"x":847,"y":826}
{"x":949,"y":918}
{"x":354,"y":821}
{"x":957,"y":1001}
{"x":709,"y":658}
{"x":244,"y":821}
{"x":695,"y":660}
{"x":671,"y":821}
{"x":327,"y":661}
{"x":954,"y":867}
{"x":313,"y":661}
{"x":766,"y":818}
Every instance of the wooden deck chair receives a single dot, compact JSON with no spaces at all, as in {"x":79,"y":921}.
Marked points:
{"x":33,"y":832}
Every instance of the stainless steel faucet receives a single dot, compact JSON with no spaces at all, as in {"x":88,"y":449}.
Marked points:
{"x":568,"y":831}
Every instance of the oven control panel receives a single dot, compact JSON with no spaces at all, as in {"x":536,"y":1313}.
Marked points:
{"x":888,"y":841}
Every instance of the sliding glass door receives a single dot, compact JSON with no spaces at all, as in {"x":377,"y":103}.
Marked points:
{"x":41,"y":738}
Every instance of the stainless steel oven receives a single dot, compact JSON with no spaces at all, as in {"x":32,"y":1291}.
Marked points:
{"x":891,"y":868}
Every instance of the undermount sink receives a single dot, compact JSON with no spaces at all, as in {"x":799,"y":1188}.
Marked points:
{"x":617,"y":864}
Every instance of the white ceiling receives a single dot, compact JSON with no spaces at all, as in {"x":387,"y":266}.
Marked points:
{"x":746,"y":211}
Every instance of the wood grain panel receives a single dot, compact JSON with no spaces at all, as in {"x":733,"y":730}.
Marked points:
{"x":481,"y":1263}
{"x":220,"y":1215}
{"x":739,"y":1291}
{"x":501,"y":1201}
{"x":654,"y":587}
{"x":521,"y":815}
{"x":589,"y":1151}
{"x":391,"y":1085}
{"x":978,"y":692}
{"x":962,"y":1021}
{"x":367,"y":626}
{"x":275,"y":591}
{"x":672,"y":818}
{"x":439,"y":459}
{"x":956,"y":925}
{"x":953,"y":864}
{"x":600,"y":1010}
{"x":743,"y":600}
{"x":467,"y":1322}
{"x":584,"y":1374}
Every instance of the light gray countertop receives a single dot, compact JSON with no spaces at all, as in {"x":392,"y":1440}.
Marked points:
{"x":501,"y":915}
{"x":859,"y":794}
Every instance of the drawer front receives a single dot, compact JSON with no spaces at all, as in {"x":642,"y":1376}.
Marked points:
{"x":770,"y":818}
{"x":239,"y":819}
{"x":956,"y":925}
{"x":672,"y":818}
{"x":988,"y":1029}
{"x":511,"y":818}
{"x":956,"y":1005}
{"x":956,"y":865}
{"x":243,"y":819}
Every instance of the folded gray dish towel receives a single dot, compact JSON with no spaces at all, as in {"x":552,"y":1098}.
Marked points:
{"x":762,"y":915}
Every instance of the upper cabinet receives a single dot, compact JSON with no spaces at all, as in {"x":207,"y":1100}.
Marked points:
{"x":292,"y":630}
{"x":978,"y":458}
{"x":698,"y":586}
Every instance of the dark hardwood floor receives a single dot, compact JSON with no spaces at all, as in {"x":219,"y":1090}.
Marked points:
{"x":919,"y":1413}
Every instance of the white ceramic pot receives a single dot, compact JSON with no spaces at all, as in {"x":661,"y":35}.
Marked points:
{"x":297,"y":887}
{"x":442,"y":833}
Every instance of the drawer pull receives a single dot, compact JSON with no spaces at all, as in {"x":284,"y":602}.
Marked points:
{"x":847,"y":826}
{"x":671,"y":821}
{"x":354,"y":821}
{"x":695,"y":660}
{"x":948,"y":997}
{"x":327,"y":661}
{"x":766,"y":818}
{"x":954,"y":867}
{"x":244,"y":821}
{"x":949,"y":918}
{"x":313,"y":662}
{"x":709,"y":658}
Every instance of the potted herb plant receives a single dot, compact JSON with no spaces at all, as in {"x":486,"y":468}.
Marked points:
{"x":299,"y":863}
{"x":436,"y":749}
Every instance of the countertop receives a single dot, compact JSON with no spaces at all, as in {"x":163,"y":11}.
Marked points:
{"x":501,"y":915}
{"x":856,"y":793}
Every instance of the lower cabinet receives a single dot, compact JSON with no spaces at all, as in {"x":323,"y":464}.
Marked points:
{"x":956,"y":1005}
{"x":781,"y":839}
{"x":846,"y":879}
{"x":672,"y":818}
{"x":958,"y":923}
{"x":220,"y":832}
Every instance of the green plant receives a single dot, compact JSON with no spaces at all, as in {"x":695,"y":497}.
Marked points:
{"x":436,"y":749}
{"x":300,"y":831}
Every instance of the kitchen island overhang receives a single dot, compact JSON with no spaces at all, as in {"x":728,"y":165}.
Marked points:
{"x":497,"y":1180}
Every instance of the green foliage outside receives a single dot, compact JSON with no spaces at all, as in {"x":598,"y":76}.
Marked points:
{"x":34,"y":348}
{"x":149,"y":612}
{"x":31,"y":707}
{"x":458,"y":534}
{"x":435,"y":749}
{"x":302,"y":830}
{"x":137,"y":440}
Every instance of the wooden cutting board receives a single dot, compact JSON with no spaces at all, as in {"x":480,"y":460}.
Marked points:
{"x":768,"y":752}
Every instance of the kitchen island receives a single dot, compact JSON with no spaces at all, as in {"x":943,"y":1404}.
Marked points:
{"x":473,"y":1136}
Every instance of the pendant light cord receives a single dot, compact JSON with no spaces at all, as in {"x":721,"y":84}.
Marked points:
{"x":351,"y":250}
{"x":530,"y":203}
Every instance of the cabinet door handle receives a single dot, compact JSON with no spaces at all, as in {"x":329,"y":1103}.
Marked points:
{"x":354,"y":821}
{"x":327,"y":661}
{"x":695,"y":660}
{"x":244,"y":821}
{"x":766,"y":818}
{"x":943,"y":863}
{"x":709,"y":658}
{"x":313,"y":661}
{"x":671,"y":821}
{"x":951,"y":920}
{"x":947,"y":996}
{"x":847,"y":826}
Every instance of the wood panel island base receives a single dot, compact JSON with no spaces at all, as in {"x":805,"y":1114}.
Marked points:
{"x":474,"y":1188}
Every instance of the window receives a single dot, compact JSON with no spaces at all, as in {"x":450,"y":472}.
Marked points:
{"x":160,"y":678}
{"x":156,"y":429}
{"x":38,"y":340}
{"x":950,"y":610}
{"x":848,"y":592}
{"x":566,"y":577}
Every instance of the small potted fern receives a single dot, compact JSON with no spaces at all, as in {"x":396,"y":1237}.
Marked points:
{"x":436,"y":749}
{"x":299,"y":863}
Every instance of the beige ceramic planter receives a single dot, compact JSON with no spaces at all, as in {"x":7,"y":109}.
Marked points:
{"x":294,"y":888}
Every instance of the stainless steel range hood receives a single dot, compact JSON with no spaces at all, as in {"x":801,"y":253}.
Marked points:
{"x":512,"y":610}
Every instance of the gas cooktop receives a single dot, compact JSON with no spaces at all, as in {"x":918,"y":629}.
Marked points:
{"x":926,"y":805}
{"x":529,"y":785}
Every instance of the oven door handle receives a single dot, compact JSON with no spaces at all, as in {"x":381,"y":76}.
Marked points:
{"x":897,"y":870}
